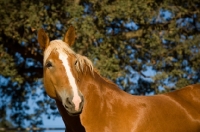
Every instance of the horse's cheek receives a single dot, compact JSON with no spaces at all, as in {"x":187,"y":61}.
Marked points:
{"x":49,"y":86}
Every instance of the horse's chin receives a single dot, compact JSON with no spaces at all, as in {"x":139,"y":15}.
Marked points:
{"x":74,"y":113}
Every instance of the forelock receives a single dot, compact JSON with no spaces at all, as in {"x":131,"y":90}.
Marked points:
{"x":56,"y":44}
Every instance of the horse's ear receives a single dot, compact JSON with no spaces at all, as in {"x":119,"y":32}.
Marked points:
{"x":70,"y":36}
{"x":43,"y":39}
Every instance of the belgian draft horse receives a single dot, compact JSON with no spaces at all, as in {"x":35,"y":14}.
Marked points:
{"x":102,"y":106}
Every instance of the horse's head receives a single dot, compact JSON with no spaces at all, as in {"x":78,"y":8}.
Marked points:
{"x":61,"y":70}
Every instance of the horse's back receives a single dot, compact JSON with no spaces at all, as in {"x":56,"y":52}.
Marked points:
{"x":174,"y":111}
{"x":188,"y":96}
{"x":185,"y":108}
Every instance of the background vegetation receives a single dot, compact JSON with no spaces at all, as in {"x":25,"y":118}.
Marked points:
{"x":145,"y":46}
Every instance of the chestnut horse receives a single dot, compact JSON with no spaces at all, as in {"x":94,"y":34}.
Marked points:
{"x":72,"y":123}
{"x":101,"y":105}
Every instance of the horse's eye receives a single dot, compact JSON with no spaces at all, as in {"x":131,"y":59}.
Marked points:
{"x":48,"y":64}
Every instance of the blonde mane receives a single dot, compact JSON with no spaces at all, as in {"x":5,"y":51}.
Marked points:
{"x":82,"y":61}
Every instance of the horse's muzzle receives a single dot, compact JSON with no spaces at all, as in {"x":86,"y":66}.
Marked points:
{"x":70,"y":106}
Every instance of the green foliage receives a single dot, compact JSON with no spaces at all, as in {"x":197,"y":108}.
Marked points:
{"x":165,"y":39}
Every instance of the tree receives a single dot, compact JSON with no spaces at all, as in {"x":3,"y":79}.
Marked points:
{"x":124,"y":39}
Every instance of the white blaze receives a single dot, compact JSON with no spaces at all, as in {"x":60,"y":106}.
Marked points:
{"x":64,"y":58}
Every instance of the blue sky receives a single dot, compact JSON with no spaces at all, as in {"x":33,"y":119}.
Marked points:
{"x":56,"y":122}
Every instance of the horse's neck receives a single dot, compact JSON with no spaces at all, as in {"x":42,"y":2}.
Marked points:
{"x":95,"y":86}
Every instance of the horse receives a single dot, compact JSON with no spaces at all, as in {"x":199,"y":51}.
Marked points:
{"x":101,"y":106}
{"x":72,"y":123}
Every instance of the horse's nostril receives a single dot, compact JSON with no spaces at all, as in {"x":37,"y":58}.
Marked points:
{"x":69,"y":103}
{"x":66,"y":106}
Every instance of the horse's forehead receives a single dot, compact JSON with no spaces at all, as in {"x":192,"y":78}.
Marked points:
{"x":55,"y":53}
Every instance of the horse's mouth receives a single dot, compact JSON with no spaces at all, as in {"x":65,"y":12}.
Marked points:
{"x":73,"y":112}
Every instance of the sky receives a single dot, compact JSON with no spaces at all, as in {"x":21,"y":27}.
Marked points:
{"x":53,"y":123}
